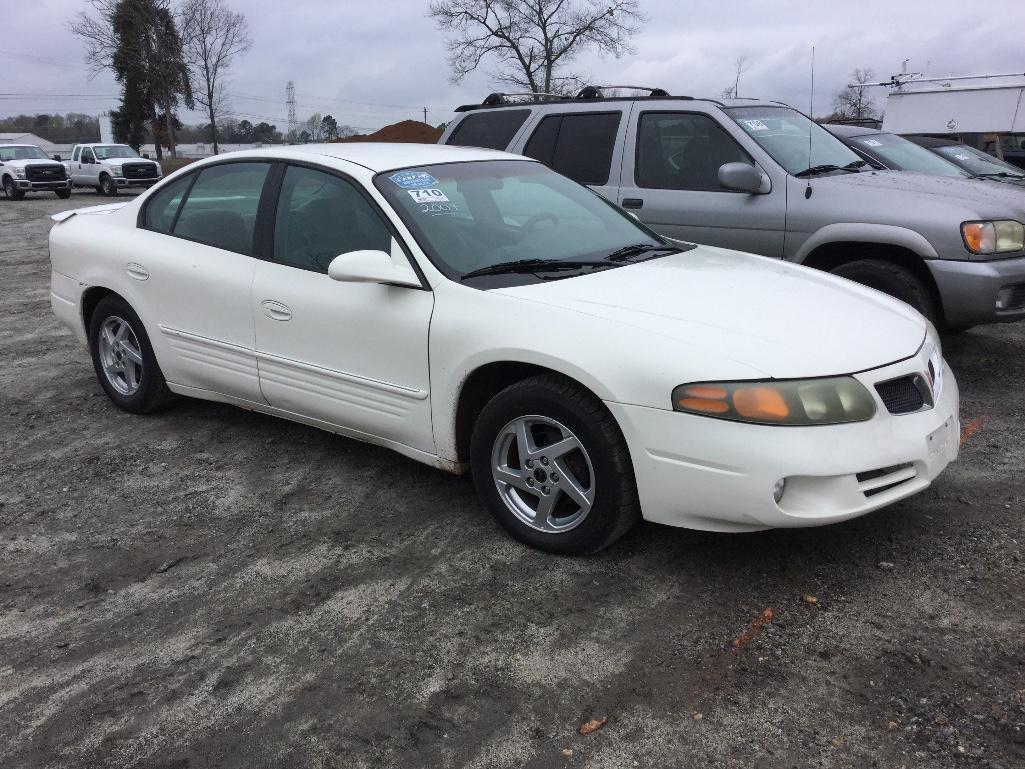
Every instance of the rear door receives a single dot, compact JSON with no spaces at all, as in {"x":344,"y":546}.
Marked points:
{"x":671,"y":182}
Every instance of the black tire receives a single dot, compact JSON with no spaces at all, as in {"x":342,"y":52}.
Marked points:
{"x":615,"y":506}
{"x":152,"y":393}
{"x":892,"y":279}
{"x":63,"y":194}
{"x":108,"y":186}
{"x":99,"y":189}
{"x":12,"y":192}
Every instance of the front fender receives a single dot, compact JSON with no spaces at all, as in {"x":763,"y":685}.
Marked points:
{"x":861,"y":232}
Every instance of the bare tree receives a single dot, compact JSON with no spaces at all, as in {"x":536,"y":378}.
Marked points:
{"x":213,"y":35}
{"x":532,"y":41}
{"x":740,"y":66}
{"x":852,"y":102}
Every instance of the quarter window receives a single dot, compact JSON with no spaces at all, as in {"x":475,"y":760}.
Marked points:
{"x":491,"y":130}
{"x":220,"y":209}
{"x":75,"y":154}
{"x":683,"y":151}
{"x":321,"y":216}
{"x":579,"y":146}
{"x":161,"y":208}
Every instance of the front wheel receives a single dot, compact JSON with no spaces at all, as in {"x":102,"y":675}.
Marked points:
{"x":894,"y":280}
{"x":11,"y":190}
{"x":63,"y":194}
{"x":123,"y":358}
{"x":107,"y":186}
{"x":552,"y":466}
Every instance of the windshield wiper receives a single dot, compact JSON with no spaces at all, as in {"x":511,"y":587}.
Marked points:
{"x":1002,"y":175}
{"x":626,"y":252}
{"x":853,"y":167}
{"x":531,"y":265}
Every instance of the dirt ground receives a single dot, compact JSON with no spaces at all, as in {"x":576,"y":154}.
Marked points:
{"x":212,"y":588}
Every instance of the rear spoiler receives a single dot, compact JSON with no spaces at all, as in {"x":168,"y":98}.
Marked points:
{"x":109,"y":208}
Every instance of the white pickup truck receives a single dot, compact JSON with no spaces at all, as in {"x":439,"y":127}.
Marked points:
{"x":26,"y":168}
{"x":110,"y":167}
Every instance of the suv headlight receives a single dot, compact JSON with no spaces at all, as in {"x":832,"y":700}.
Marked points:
{"x":116,"y":170}
{"x":995,"y":237}
{"x":827,"y":401}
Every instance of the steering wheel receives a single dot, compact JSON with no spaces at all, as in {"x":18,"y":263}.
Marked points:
{"x":536,"y":219}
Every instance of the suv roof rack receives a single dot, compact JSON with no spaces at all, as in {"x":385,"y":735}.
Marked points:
{"x":597,"y":91}
{"x":505,"y":99}
{"x":590,"y":93}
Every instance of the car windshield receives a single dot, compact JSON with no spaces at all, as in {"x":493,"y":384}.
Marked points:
{"x":487,"y":215}
{"x":22,"y":152}
{"x":784,"y":133}
{"x":110,"y":151}
{"x":978,"y":162}
{"x":898,"y":152}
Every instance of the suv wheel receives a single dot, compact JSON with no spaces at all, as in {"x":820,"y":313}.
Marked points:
{"x":552,"y":466}
{"x":11,"y":191}
{"x":108,"y":186}
{"x":894,"y":280}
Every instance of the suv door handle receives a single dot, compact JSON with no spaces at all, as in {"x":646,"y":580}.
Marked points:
{"x":275,"y":310}
{"x":632,"y":202}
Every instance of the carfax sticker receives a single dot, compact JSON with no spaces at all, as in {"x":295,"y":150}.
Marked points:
{"x":756,"y":125}
{"x":411,"y":180}
{"x":871,"y":143}
{"x":430,"y":195}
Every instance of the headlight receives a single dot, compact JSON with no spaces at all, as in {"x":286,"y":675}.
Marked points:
{"x":116,"y":170}
{"x":828,"y":401}
{"x":993,"y":237}
{"x":19,"y":173}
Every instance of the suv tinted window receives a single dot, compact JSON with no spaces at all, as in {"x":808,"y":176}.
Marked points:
{"x":579,"y":146}
{"x":491,"y":130}
{"x":321,"y":216}
{"x":683,"y":151}
{"x":161,"y":208}
{"x":221,"y":207}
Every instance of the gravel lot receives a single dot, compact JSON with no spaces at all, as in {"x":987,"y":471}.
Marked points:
{"x":210,"y":587}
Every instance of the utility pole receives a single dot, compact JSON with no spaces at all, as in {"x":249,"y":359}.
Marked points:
{"x":425,"y":114}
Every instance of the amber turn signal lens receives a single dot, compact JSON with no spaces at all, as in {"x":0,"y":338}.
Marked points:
{"x":704,"y":404}
{"x":711,"y":392}
{"x":978,"y":236}
{"x":760,"y":403}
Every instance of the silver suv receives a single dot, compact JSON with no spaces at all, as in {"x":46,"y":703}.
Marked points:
{"x":762,"y":177}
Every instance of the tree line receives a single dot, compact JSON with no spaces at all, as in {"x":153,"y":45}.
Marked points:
{"x":70,"y":128}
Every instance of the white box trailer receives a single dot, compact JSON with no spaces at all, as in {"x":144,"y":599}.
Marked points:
{"x":934,"y":109}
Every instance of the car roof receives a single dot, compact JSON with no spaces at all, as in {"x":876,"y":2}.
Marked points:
{"x":656,"y":102}
{"x":380,"y":156}
{"x":838,"y":129}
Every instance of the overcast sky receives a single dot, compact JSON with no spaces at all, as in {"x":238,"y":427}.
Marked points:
{"x":374,"y":62}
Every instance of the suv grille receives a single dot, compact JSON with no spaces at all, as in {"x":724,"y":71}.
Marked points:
{"x":139,"y":170}
{"x":45,"y":172}
{"x":905,"y":394}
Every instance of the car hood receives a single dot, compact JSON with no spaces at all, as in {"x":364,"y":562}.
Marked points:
{"x":782,"y":320}
{"x":986,"y":199}
{"x":30,"y":162}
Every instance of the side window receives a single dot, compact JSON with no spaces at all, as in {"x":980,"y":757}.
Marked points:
{"x":579,"y":146}
{"x":87,"y":156}
{"x":221,"y":207}
{"x":491,"y":130}
{"x":75,"y":154}
{"x":683,"y":151}
{"x":161,"y":208}
{"x":321,"y":216}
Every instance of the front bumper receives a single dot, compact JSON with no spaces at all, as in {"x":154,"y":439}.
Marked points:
{"x":971,"y":291}
{"x":121,"y":181}
{"x":23,"y":184}
{"x":711,"y":474}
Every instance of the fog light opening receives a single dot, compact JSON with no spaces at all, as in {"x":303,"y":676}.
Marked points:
{"x":1004,"y":297}
{"x":778,"y":489}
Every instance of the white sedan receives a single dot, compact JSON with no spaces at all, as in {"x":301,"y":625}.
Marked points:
{"x":476,"y":311}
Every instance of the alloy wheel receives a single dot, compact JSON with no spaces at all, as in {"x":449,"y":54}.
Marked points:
{"x":120,"y":355}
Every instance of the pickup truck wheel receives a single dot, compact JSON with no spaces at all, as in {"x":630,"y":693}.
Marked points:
{"x":551,"y":464}
{"x":894,"y":280}
{"x":107,"y":186}
{"x":12,"y":192}
{"x":63,"y":194}
{"x":123,"y":358}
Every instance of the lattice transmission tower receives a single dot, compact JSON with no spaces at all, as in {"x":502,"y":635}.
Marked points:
{"x":293,"y":124}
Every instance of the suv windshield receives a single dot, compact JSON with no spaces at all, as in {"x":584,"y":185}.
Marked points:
{"x":30,"y":152}
{"x":907,"y":156}
{"x":783,"y":132}
{"x":508,"y":216}
{"x":978,"y":162}
{"x":115,"y":151}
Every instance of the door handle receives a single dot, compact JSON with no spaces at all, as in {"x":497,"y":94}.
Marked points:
{"x":632,"y":202}
{"x":276,"y":310}
{"x":137,"y":271}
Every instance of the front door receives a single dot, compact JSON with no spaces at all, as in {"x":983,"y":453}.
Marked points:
{"x":671,"y":182}
{"x":349,"y":354}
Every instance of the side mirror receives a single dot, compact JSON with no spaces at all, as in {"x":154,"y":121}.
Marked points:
{"x":741,"y":177}
{"x":372,"y":267}
{"x":57,"y":158}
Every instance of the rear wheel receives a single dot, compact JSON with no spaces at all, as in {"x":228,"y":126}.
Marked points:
{"x":892,"y":279}
{"x":552,"y":466}
{"x":11,"y":191}
{"x":107,"y":186}
{"x":123,"y":358}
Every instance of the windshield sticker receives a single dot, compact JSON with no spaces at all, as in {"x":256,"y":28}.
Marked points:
{"x":430,"y":195}
{"x":411,"y":180}
{"x":871,"y":143}
{"x":755,"y":125}
{"x":963,"y":157}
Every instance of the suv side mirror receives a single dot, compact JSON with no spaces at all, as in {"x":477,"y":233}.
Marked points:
{"x":372,"y":267}
{"x":741,"y":177}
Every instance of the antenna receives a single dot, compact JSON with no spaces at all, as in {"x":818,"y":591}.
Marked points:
{"x":293,"y":124}
{"x":811,"y":114}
